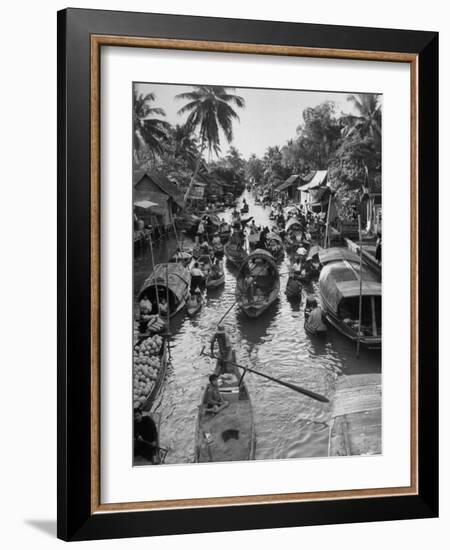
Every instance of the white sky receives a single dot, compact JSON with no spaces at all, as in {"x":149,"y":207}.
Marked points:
{"x":269,"y":118}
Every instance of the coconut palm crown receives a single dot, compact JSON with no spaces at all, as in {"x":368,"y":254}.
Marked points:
{"x":149,"y":132}
{"x":368,"y":121}
{"x":209,"y":110}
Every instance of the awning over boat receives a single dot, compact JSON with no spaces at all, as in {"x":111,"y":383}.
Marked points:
{"x":292,"y":223}
{"x":315,"y":249}
{"x":327,"y":255}
{"x":273,"y":237}
{"x":348,"y":289}
{"x":340,"y":280}
{"x":174,"y":275}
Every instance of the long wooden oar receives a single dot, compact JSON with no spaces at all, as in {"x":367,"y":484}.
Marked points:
{"x":304,"y":391}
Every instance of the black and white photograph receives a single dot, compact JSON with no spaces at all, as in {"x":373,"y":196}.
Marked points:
{"x":257,"y":235}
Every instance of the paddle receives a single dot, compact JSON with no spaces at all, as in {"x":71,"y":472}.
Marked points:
{"x":298,"y":389}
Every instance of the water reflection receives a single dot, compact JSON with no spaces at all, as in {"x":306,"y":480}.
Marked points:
{"x":288,"y":425}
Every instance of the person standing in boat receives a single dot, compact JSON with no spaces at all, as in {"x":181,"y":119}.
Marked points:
{"x":201,"y":230}
{"x":145,"y":437}
{"x":224,"y":343}
{"x":196,"y":276}
{"x":314,"y":323}
{"x":249,"y":282}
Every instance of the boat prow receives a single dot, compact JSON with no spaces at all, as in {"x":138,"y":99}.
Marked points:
{"x":228,"y":435}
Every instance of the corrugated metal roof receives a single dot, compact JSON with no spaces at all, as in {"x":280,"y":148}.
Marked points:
{"x":319,"y":179}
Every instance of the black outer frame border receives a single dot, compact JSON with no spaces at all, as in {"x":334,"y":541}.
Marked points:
{"x":75,"y":521}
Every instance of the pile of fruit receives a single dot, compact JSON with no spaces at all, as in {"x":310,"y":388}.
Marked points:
{"x":146,"y":365}
{"x":155,"y":323}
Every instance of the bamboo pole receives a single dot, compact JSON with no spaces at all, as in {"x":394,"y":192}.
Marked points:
{"x":153,"y":267}
{"x":328,"y":222}
{"x":358,"y":344}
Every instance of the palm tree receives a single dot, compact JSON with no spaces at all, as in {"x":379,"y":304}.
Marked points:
{"x":149,"y":132}
{"x":185,"y":143}
{"x":368,"y":122}
{"x":210,"y":111}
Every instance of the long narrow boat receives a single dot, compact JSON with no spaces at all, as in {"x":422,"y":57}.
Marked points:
{"x":229,"y":434}
{"x":216,"y":281}
{"x":157,"y":388}
{"x":339,"y":285}
{"x":234,"y":253}
{"x":256,"y":297}
{"x":172,"y":281}
{"x":191,"y":311}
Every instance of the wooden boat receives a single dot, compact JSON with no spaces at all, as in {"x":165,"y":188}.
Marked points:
{"x":244,"y":209}
{"x":230,"y":434}
{"x":170,"y":280}
{"x":159,"y":382}
{"x":234,"y":253}
{"x":205,"y":263}
{"x":192,"y":310}
{"x":293,"y":288}
{"x":216,"y":281}
{"x":261,"y":266}
{"x":218,"y":250}
{"x":339,"y":285}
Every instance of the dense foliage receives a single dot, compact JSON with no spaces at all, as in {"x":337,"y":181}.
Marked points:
{"x":347,"y":145}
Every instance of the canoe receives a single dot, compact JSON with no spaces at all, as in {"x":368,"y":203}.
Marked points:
{"x":215,"y":283}
{"x":234,"y":254}
{"x":293,"y":288}
{"x":171,"y":280}
{"x":266,"y":283}
{"x":191,"y":311}
{"x":205,"y":262}
{"x":230,"y":434}
{"x":339,"y":285}
{"x":159,"y":382}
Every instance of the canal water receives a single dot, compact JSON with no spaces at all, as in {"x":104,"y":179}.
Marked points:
{"x":288,"y":424}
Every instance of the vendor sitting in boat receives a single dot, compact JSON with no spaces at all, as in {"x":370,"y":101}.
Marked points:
{"x":163,"y":307}
{"x":314,"y":318}
{"x":214,"y":400}
{"x":216,"y":270}
{"x":224,"y":343}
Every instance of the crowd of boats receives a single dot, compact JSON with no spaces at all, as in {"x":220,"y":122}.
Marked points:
{"x":348,"y":299}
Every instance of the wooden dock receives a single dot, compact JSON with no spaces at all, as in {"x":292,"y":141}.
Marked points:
{"x":355,"y":425}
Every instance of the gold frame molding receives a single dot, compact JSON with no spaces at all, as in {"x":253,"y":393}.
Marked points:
{"x":97,"y":41}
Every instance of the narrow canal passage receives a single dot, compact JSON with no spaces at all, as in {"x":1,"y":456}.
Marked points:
{"x":288,"y":425}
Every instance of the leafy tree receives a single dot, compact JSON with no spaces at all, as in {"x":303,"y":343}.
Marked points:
{"x":318,"y":135}
{"x":254,"y":169}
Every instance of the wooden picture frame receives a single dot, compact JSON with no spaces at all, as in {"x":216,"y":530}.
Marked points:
{"x":81,"y":35}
